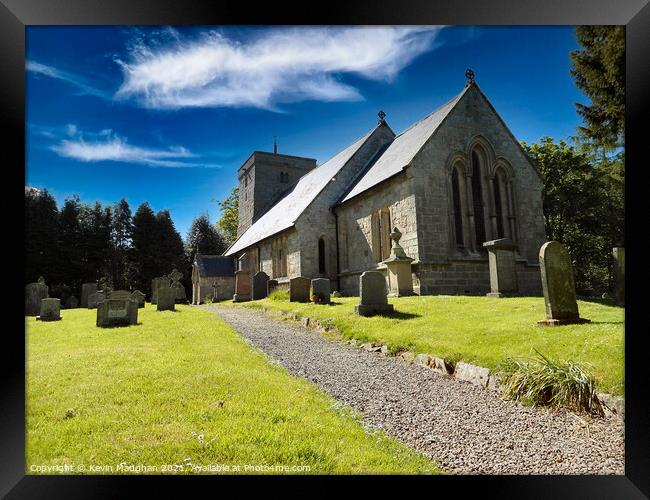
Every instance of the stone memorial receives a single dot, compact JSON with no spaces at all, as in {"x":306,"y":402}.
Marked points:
{"x":558,"y":285}
{"x":72,"y":302}
{"x":139,"y":297}
{"x":373,"y":297}
{"x":175,"y":276}
{"x":95,"y":298}
{"x":166,"y":298}
{"x":50,"y":310}
{"x":242,"y":281}
{"x":398,"y":264}
{"x":155,"y":284}
{"x":34,"y":293}
{"x":86,"y":290}
{"x":259,"y":289}
{"x":118,"y":310}
{"x":270,"y":286}
{"x":619,"y":275}
{"x":321,"y":288}
{"x":299,"y":289}
{"x":503,"y":273}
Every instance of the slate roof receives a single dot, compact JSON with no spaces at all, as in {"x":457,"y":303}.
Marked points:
{"x":214,"y":266}
{"x":402,"y":150}
{"x":285,"y":212}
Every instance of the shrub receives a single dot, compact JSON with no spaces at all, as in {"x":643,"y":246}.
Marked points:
{"x":546,"y":382}
{"x":279,"y":294}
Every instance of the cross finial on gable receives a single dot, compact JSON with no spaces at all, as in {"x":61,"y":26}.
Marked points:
{"x":381,"y":116}
{"x":470,"y":76}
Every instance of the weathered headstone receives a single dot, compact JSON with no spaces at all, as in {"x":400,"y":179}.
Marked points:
{"x":120,"y":295}
{"x":50,"y":310}
{"x":321,"y":288}
{"x":95,"y":298}
{"x":503,"y":273}
{"x":117,"y":311}
{"x":139,"y":297}
{"x":34,"y":293}
{"x":86,"y":290}
{"x":155,"y":284}
{"x":619,"y":275}
{"x":166,"y":299}
{"x":242,"y":280}
{"x":558,"y":285}
{"x":72,"y":302}
{"x":176,"y":276}
{"x":270,"y":286}
{"x":299,"y":289}
{"x":398,"y":264}
{"x":373,"y":298}
{"x":259,"y":289}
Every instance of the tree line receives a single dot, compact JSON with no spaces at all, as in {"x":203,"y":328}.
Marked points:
{"x":81,"y":242}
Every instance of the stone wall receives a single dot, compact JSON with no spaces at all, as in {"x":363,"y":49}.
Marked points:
{"x":225,"y":288}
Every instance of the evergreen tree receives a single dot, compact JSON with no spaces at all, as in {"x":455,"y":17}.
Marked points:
{"x":95,"y":222}
{"x":172,"y":251}
{"x":42,"y":256}
{"x":147,"y":243}
{"x":121,"y":238}
{"x":203,"y":238}
{"x":70,"y":244}
{"x":229,"y":216}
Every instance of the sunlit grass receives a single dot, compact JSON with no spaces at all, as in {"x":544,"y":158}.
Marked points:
{"x":183,"y":388}
{"x":481,"y":330}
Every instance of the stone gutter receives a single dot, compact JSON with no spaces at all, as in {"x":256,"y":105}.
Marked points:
{"x":614,"y":406}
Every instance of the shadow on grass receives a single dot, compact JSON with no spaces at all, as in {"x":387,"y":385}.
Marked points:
{"x":598,"y":300}
{"x":400,"y":315}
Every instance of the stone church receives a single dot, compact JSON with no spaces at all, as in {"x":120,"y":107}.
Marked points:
{"x":449,"y":182}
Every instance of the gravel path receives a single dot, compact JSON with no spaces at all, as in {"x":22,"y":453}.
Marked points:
{"x":467,"y":430}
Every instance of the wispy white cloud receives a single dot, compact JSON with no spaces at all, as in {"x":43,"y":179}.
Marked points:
{"x":58,"y":74}
{"x":106,"y":146}
{"x":275,"y":66}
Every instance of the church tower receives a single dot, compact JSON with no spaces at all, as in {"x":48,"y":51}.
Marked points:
{"x":263,"y":179}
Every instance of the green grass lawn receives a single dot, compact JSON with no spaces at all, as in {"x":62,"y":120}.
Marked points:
{"x":481,"y":330}
{"x":183,"y":388}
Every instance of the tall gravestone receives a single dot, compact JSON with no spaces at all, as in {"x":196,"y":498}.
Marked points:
{"x":166,"y":299}
{"x":242,"y":280}
{"x":373,"y":296}
{"x":260,"y":286}
{"x":299,"y":289}
{"x":139,"y":297}
{"x":72,"y":302}
{"x":86,"y":290}
{"x":503,"y":273}
{"x":118,"y":310}
{"x":50,"y":310}
{"x":155,"y":284}
{"x":619,"y":275}
{"x":321,"y":288}
{"x":398,"y":264}
{"x":178,"y":287}
{"x":34,"y":293}
{"x":95,"y":298}
{"x":558,"y":285}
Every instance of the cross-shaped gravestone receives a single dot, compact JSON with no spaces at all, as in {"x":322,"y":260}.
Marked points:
{"x":175,"y":276}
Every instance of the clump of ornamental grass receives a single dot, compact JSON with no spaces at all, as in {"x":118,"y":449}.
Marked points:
{"x":542,"y":381}
{"x":281,"y":294}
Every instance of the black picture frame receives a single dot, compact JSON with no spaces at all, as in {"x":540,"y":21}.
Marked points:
{"x":15,"y":15}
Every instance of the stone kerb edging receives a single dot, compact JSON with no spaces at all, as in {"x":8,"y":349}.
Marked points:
{"x":466,"y":372}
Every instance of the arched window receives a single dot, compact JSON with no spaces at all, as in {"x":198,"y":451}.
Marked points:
{"x":343,"y":243}
{"x":504,"y":202}
{"x":498,"y":206}
{"x":321,"y":256}
{"x":457,"y":207}
{"x":477,"y":197}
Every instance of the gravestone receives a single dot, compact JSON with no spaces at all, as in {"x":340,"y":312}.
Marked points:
{"x":558,"y":285}
{"x":373,"y":298}
{"x":72,"y":302}
{"x":95,"y":298}
{"x":139,"y":297}
{"x":259,"y":289}
{"x":155,"y":284}
{"x":270,"y":286}
{"x":50,"y":310}
{"x":503,"y":273}
{"x":34,"y":293}
{"x":321,"y":288}
{"x":166,"y":299}
{"x":299,"y":289}
{"x":619,"y":275}
{"x":118,"y":310}
{"x":398,"y":264}
{"x":86,"y":290}
{"x":178,"y":287}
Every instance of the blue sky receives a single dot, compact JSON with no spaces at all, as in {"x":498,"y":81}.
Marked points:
{"x":167,"y":115}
